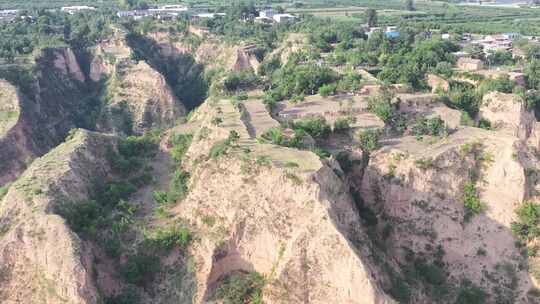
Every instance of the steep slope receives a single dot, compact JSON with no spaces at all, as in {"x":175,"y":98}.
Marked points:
{"x":138,"y":97}
{"x":445,"y":207}
{"x":281,"y":212}
{"x":53,"y":98}
{"x":42,"y":260}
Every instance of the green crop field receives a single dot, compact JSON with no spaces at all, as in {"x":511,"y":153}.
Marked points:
{"x":435,"y":14}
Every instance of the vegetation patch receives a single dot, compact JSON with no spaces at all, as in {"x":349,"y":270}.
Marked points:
{"x":429,"y":126}
{"x":469,"y":293}
{"x":166,"y":238}
{"x":4,"y":190}
{"x":528,"y":218}
{"x":241,"y":288}
{"x":369,"y":140}
{"x":140,"y":269}
{"x":473,"y":205}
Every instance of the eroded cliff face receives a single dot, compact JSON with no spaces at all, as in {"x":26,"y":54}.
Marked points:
{"x":53,"y":99}
{"x":295,"y":224}
{"x":211,"y":53}
{"x":418,"y":191}
{"x":137,"y":97}
{"x":42,"y":260}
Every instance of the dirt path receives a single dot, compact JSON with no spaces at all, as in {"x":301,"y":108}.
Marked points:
{"x":163,"y":168}
{"x":257,"y":119}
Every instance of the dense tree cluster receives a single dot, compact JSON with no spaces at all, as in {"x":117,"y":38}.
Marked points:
{"x":51,"y":29}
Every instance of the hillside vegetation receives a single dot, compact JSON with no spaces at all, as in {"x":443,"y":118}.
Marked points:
{"x":223,"y":160}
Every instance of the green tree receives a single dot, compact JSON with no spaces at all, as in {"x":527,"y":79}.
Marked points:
{"x":369,"y":140}
{"x":532,"y":72}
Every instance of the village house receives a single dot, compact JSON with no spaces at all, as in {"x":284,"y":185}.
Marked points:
{"x":469,"y":64}
{"x":267,"y":13}
{"x":76,"y":9}
{"x":8,"y":15}
{"x":281,"y":18}
{"x":209,"y":15}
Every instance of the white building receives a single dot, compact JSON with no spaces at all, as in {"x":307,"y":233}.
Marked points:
{"x":6,"y":13}
{"x":135,"y":14}
{"x":75,"y":9}
{"x":280,"y":18}
{"x":267,"y":13}
{"x":175,"y":8}
{"x":210,"y":15}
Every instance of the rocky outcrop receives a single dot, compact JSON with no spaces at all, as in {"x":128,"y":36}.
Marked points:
{"x":66,"y":62}
{"x":42,"y":260}
{"x":507,"y":113}
{"x":9,"y":107}
{"x":52,"y":100}
{"x":437,"y":83}
{"x":293,"y":43}
{"x":428,"y":105}
{"x":107,"y":54}
{"x":418,"y":190}
{"x":139,"y":100}
{"x":287,"y":224}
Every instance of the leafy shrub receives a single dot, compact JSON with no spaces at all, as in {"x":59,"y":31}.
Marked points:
{"x":462,"y":96}
{"x":241,"y":288}
{"x":291,"y":165}
{"x":4,"y":190}
{"x":444,"y":69}
{"x":296,"y":79}
{"x":216,"y":121}
{"x":484,"y":124}
{"x":472,"y":203}
{"x":424,"y":163}
{"x":180,"y":144}
{"x":321,"y":152}
{"x":429,"y":272}
{"x":382,"y":107}
{"x":131,"y":153}
{"x":167,"y":238}
{"x":138,"y":146}
{"x":270,"y":65}
{"x":240,"y":80}
{"x":350,"y":82}
{"x":275,"y":136}
{"x":129,"y":295}
{"x":369,"y":140}
{"x":317,"y":127}
{"x":161,"y":197}
{"x":501,"y":58}
{"x":139,"y":269}
{"x":500,"y":84}
{"x":432,"y":126}
{"x":83,"y":217}
{"x":528,"y":219}
{"x":327,"y":90}
{"x":111,"y":193}
{"x":470,"y":294}
{"x":219,"y":149}
{"x":112,"y":246}
{"x":343,"y":124}
{"x":178,"y":188}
